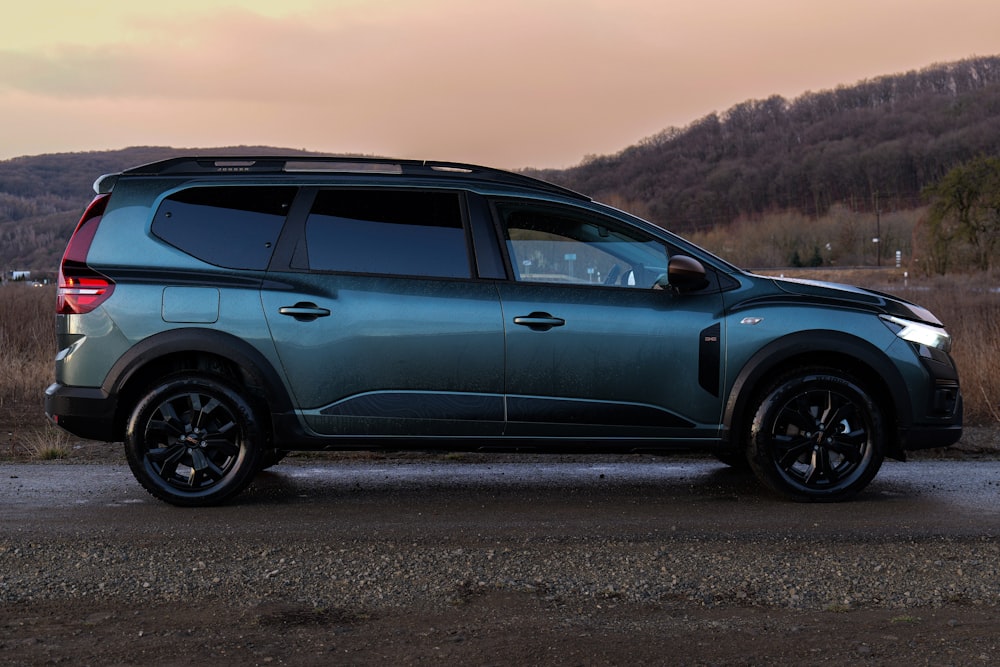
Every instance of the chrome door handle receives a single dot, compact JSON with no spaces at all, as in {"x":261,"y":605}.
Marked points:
{"x":304,"y":311}
{"x":539,"y":321}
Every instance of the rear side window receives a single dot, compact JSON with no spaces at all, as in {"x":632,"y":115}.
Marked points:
{"x":395,"y":232}
{"x":235,"y":227}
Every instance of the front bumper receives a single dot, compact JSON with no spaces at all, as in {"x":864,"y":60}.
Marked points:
{"x":928,"y":436}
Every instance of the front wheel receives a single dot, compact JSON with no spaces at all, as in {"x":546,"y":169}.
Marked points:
{"x":816,"y":435}
{"x":192,"y":441}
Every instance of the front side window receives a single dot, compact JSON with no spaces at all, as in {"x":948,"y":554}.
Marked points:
{"x":555,"y":245}
{"x":395,"y":232}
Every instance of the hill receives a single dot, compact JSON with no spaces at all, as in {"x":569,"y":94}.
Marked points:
{"x":876,"y":143}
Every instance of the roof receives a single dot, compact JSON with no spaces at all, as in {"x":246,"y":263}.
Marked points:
{"x":206,"y":165}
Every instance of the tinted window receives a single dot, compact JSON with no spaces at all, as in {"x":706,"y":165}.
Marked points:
{"x":233,"y":226}
{"x":558,"y":245}
{"x":395,"y":232}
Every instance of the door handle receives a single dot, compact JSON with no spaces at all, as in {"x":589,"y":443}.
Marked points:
{"x":539,"y":321}
{"x":304,"y":311}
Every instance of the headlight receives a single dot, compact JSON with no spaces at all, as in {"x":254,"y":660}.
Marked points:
{"x":919,"y":333}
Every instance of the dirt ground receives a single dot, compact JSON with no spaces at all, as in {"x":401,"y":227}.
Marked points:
{"x":489,"y":627}
{"x":491,"y":630}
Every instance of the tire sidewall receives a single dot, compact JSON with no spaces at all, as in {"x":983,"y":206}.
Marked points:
{"x":250,"y":440}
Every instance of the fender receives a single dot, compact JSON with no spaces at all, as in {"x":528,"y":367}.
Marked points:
{"x":817,"y":342}
{"x":248,"y":358}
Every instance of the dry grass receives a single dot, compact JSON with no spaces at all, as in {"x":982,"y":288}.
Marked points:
{"x":969,"y":305}
{"x":48,"y":443}
{"x":27,"y":348}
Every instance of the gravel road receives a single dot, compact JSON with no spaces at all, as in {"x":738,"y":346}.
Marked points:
{"x":493,"y":560}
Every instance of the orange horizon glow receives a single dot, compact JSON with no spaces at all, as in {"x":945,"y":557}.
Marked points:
{"x":510,"y":84}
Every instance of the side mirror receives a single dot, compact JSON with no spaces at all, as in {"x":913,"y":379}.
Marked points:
{"x":686,"y":274}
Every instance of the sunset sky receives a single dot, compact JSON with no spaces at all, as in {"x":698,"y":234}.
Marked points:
{"x":509,"y":83}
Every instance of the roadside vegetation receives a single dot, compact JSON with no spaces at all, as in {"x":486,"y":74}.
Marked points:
{"x":27,"y":348}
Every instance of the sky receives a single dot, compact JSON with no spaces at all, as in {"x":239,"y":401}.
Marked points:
{"x":506,"y":83}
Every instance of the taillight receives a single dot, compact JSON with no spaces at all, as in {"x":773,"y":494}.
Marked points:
{"x":82,"y":289}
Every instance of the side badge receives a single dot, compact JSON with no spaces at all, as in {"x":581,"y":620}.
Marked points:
{"x":751,"y":320}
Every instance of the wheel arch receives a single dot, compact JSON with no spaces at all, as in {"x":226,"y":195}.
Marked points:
{"x":203,"y":350}
{"x":821,"y":348}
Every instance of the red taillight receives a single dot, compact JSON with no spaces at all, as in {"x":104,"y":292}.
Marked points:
{"x":81,"y":294}
{"x":82,"y":289}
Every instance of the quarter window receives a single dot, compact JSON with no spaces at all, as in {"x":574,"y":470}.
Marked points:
{"x":235,"y":227}
{"x":396,"y":232}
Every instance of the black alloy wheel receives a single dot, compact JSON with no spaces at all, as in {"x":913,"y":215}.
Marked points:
{"x":193,"y":441}
{"x":816,"y":435}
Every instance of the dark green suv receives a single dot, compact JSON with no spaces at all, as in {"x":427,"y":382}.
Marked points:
{"x":215,"y":313}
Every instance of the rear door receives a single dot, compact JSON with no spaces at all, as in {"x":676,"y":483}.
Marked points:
{"x":380,"y":321}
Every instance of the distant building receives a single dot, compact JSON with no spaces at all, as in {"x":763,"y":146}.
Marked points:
{"x":20,"y":275}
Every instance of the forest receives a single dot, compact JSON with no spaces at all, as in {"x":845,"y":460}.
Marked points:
{"x":822,"y":173}
{"x":875,"y":144}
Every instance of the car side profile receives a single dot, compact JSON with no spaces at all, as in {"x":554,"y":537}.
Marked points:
{"x":216,"y":313}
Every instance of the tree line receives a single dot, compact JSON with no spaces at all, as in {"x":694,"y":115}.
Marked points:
{"x":876,"y":144}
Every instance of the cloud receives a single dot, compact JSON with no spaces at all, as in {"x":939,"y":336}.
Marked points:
{"x":512,"y":83}
{"x":416,"y":79}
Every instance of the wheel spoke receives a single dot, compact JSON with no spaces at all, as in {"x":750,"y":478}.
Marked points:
{"x":849,"y":445}
{"x":800,"y":416}
{"x":822,"y":470}
{"x":204,"y":411}
{"x":790,"y":450}
{"x":170,"y":422}
{"x":162,"y":432}
{"x":841,"y":414}
{"x":203,"y":469}
{"x":218,"y":444}
{"x":168,"y":459}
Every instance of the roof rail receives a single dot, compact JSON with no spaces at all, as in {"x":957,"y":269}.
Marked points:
{"x":346,"y":164}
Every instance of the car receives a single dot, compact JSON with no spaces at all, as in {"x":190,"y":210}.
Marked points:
{"x":215,"y":313}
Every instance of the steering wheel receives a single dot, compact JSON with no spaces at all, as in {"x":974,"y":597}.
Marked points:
{"x":613,"y":274}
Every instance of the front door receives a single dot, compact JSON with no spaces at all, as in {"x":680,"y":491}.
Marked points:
{"x":597,"y":344}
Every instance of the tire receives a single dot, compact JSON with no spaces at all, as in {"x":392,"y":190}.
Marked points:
{"x":193,"y":441}
{"x":816,"y":435}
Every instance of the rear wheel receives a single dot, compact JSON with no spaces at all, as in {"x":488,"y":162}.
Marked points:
{"x":816,"y":435}
{"x":192,"y":440}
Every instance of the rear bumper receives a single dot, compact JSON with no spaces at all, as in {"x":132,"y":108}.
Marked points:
{"x":87,"y":412}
